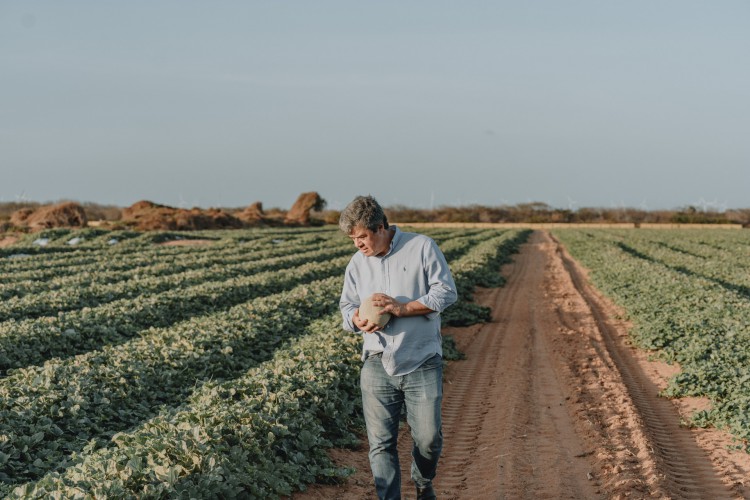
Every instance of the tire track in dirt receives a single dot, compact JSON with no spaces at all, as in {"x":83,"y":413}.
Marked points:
{"x":507,"y":432}
{"x":683,"y":468}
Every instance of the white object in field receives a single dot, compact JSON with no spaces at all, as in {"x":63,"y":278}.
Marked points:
{"x":373,"y":313}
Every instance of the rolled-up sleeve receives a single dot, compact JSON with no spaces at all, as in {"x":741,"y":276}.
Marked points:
{"x":441,"y":287}
{"x":349,"y":301}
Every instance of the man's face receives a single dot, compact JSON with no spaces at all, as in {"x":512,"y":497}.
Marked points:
{"x":370,"y":242}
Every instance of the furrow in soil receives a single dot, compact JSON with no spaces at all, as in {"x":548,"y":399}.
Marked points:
{"x":684,"y":470}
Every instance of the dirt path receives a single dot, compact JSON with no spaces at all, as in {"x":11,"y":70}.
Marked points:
{"x":551,"y":402}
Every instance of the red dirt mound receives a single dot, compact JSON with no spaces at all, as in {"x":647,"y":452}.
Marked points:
{"x":299,"y":214}
{"x":68,"y":214}
{"x":252,"y":214}
{"x":146,"y":215}
{"x":19,"y":217}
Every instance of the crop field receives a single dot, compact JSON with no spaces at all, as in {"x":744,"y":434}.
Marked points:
{"x":134,"y":369}
{"x":213,"y":364}
{"x":687,"y":292}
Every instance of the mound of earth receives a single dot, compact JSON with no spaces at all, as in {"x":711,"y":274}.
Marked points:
{"x":252,"y":214}
{"x":215,"y":218}
{"x":299,"y":214}
{"x":67,"y":214}
{"x":146,"y":215}
{"x":19,"y":217}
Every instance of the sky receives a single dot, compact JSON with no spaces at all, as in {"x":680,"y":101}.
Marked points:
{"x":639,"y":103}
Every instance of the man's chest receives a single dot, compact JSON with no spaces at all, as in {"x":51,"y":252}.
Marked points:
{"x":393,"y":275}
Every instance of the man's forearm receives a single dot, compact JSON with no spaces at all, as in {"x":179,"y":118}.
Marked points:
{"x":413,"y":308}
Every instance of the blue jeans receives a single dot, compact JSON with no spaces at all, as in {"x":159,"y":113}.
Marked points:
{"x":383,"y":397}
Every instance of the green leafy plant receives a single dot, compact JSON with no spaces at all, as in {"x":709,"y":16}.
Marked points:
{"x":687,"y":295}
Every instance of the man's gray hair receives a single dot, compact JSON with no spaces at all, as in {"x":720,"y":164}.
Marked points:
{"x":363,"y":211}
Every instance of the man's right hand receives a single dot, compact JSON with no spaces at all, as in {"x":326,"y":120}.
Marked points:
{"x":363,"y":324}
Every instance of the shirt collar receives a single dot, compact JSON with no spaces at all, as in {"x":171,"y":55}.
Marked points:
{"x":395,"y":240}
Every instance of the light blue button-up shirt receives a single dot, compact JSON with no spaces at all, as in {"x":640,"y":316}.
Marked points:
{"x":413,"y":269}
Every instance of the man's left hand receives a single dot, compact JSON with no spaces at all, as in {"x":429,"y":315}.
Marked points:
{"x":389,"y":304}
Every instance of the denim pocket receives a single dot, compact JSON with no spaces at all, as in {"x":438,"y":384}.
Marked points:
{"x":433,"y":362}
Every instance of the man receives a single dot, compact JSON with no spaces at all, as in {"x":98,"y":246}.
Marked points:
{"x":408,"y":276}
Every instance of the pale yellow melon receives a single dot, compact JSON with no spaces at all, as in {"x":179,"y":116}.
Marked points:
{"x":373,"y":313}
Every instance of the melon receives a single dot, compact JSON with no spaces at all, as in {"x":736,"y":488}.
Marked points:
{"x":373,"y":313}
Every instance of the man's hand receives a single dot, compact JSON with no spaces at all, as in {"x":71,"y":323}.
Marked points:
{"x":389,"y":304}
{"x":363,"y":324}
{"x":399,"y":309}
{"x":392,"y":306}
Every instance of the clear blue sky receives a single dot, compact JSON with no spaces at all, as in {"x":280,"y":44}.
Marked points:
{"x":641,"y":103}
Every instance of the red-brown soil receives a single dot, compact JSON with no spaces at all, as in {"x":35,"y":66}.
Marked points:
{"x":67,"y":214}
{"x":252,"y":213}
{"x":148,"y":216}
{"x":299,"y":214}
{"x":6,"y":241}
{"x":553,"y":402}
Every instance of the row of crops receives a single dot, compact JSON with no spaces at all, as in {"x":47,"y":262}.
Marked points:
{"x":131,"y":369}
{"x":688,"y":294}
